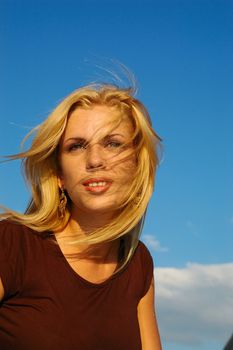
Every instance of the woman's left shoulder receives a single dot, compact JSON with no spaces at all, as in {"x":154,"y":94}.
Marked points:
{"x":143,"y":252}
{"x":143,"y":246}
{"x":143,"y":267}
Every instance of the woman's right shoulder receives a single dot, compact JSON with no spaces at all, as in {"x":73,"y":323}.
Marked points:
{"x":10,"y":225}
{"x":6,"y":225}
{"x":10,"y":230}
{"x":12,"y":248}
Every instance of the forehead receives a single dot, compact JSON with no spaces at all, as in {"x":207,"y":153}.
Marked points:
{"x":98,"y":119}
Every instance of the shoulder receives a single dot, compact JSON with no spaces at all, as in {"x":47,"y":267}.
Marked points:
{"x":143,"y":253}
{"x":19,"y":247}
{"x":14,"y":235}
{"x":9,"y":229}
{"x":12,"y":252}
{"x":11,"y":236}
{"x":142,"y":266}
{"x":8,"y":225}
{"x":143,"y":248}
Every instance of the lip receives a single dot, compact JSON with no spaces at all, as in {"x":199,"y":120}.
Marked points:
{"x":97,"y":189}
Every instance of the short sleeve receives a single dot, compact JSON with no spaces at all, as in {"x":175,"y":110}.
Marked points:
{"x":147,"y":267}
{"x":11,"y":268}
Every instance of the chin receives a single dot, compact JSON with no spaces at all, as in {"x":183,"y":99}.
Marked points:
{"x":105,"y":209}
{"x":99,"y":208}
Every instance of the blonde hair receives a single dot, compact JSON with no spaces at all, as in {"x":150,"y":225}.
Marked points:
{"x":41,"y":167}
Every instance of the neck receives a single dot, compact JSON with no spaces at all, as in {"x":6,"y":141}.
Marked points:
{"x":81,"y":225}
{"x":86,"y":222}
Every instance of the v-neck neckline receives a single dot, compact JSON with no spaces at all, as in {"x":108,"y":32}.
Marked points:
{"x":77,"y":274}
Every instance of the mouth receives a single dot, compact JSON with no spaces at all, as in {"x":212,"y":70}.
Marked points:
{"x":97,"y":185}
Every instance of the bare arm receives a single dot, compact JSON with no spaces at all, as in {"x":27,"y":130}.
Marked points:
{"x":1,"y":290}
{"x":147,"y":321}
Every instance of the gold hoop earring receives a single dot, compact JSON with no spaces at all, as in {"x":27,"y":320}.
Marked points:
{"x":62,"y":204}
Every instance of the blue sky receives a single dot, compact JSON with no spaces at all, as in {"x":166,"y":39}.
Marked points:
{"x":181,"y":54}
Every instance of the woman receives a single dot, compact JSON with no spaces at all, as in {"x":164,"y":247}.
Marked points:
{"x":74,"y":274}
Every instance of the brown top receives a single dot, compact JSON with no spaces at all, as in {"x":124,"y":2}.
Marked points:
{"x":48,"y":306}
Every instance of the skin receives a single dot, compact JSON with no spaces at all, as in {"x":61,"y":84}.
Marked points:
{"x":92,"y":151}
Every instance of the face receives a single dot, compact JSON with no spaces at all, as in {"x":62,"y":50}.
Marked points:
{"x":97,"y":161}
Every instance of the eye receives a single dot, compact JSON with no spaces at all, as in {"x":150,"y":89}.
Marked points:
{"x":113,"y":144}
{"x":77,"y":146}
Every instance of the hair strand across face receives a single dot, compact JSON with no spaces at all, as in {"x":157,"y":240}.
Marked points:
{"x":41,"y":167}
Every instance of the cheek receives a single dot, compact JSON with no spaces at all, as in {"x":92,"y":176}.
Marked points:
{"x":69,"y":167}
{"x":125,"y":171}
{"x":129,"y":162}
{"x":69,"y":177}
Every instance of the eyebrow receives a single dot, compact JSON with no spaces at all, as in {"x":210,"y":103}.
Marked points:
{"x":76,"y":139}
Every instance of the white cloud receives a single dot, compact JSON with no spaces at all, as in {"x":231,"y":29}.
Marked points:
{"x":153,"y":243}
{"x":195,"y":303}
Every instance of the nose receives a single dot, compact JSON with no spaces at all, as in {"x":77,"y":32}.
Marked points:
{"x":94,"y":158}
